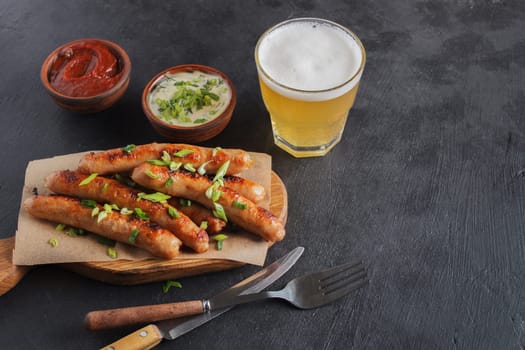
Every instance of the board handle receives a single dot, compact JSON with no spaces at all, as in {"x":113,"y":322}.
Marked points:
{"x":10,"y":274}
{"x":144,"y":339}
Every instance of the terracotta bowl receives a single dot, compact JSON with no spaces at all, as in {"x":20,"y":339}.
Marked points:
{"x":188,"y":134}
{"x":83,"y":100}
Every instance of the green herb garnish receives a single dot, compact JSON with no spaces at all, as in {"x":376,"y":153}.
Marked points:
{"x":112,"y":253}
{"x":174,"y":166}
{"x":173,"y":212}
{"x":60,"y":227}
{"x":220,"y":238}
{"x":204,"y":225}
{"x":53,"y":242}
{"x":106,"y":241}
{"x":126,"y":211}
{"x":159,"y":162}
{"x":185,"y":202}
{"x":168,"y":284}
{"x":168,"y":182}
{"x":95,"y":211}
{"x":140,"y":214}
{"x":105,"y":187}
{"x":222,"y":171}
{"x":88,"y":203}
{"x":129,"y":148}
{"x":183,"y":153}
{"x":88,"y":179}
{"x":133,"y":237}
{"x":219,"y":212}
{"x":189,"y":167}
{"x":156,"y":197}
{"x":215,"y":151}
{"x":151,"y":174}
{"x":239,"y":205}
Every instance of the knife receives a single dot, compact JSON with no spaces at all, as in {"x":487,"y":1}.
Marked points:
{"x":151,"y":335}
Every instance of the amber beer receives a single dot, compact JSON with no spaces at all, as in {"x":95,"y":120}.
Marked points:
{"x":309,"y":71}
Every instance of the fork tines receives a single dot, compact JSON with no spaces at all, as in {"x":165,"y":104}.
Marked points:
{"x":342,"y":279}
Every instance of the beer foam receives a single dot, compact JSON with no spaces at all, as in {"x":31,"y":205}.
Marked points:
{"x":309,"y":56}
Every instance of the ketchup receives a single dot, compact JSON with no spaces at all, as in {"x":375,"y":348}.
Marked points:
{"x":85,"y":69}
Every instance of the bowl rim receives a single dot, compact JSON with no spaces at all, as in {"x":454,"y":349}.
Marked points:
{"x":46,"y":65}
{"x":188,"y":67}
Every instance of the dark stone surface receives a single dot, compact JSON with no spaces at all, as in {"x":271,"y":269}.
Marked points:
{"x":427,"y":186}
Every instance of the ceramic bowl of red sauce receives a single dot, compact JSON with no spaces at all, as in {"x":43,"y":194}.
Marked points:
{"x":189,"y":103}
{"x":86,"y":75}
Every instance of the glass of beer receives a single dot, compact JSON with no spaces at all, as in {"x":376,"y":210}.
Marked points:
{"x":309,"y":71}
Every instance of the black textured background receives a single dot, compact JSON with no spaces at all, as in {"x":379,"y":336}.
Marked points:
{"x":427,"y":186}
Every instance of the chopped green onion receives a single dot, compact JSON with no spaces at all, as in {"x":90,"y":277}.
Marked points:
{"x":185,"y":202}
{"x":174,"y":166}
{"x":53,"y":242}
{"x":108,"y":208}
{"x":156,"y":197}
{"x":106,"y":241}
{"x":60,"y":227}
{"x":105,"y":187}
{"x":88,"y":179}
{"x":129,"y":148}
{"x":204,"y":225}
{"x":133,"y":237}
{"x":126,"y":211}
{"x":168,"y":284}
{"x":157,"y":162}
{"x":112,"y":253}
{"x":165,"y":157}
{"x":151,"y":174}
{"x":141,"y":214}
{"x":202,"y":168}
{"x":89,"y":203}
{"x":168,"y":182}
{"x":222,"y":171}
{"x":183,"y":153}
{"x":220,"y":238}
{"x":74,"y":232}
{"x":219,"y":212}
{"x":216,"y":195}
{"x":101,"y":216}
{"x":173,"y":212}
{"x":201,"y":120}
{"x":125,"y":180}
{"x":215,"y":151}
{"x":189,"y":167}
{"x":239,"y":205}
{"x":95,"y":211}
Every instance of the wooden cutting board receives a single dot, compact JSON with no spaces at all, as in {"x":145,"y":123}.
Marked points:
{"x":125,"y":272}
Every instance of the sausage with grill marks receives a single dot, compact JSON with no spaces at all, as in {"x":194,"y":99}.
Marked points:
{"x":193,"y":186}
{"x":105,"y":190}
{"x":69,"y":211}
{"x":118,"y":160}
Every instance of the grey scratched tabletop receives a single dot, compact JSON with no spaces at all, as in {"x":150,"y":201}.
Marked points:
{"x":427,"y":186}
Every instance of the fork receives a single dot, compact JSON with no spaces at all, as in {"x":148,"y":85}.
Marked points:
{"x":313,"y":290}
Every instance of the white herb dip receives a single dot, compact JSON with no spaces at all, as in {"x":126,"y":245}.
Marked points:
{"x":189,"y":98}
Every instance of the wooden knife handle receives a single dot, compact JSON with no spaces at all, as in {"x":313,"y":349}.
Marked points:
{"x":144,"y":339}
{"x":9,"y":274}
{"x":113,"y":318}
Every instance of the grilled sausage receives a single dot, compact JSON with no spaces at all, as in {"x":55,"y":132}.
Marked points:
{"x":249,"y":189}
{"x":193,"y":186}
{"x":119,"y":227}
{"x":110,"y":191}
{"x":118,"y":160}
{"x":197,"y":213}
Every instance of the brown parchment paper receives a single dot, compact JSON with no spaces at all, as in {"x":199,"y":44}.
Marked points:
{"x":32,"y":236}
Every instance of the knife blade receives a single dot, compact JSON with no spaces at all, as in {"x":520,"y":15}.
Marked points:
{"x":151,"y":335}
